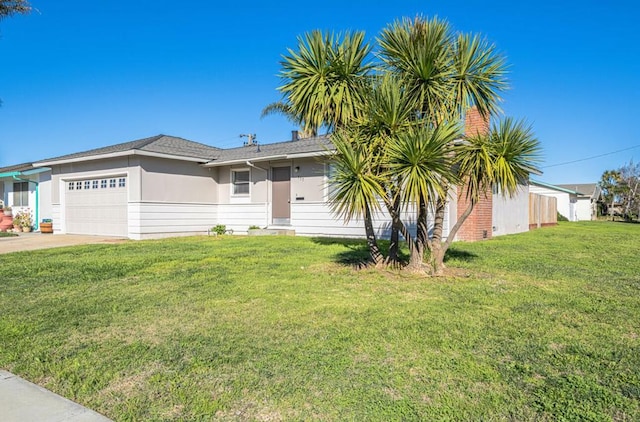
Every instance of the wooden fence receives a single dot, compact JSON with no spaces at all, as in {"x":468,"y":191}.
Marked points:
{"x":543,"y":211}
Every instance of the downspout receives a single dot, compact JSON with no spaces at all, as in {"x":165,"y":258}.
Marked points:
{"x":266,"y":214}
{"x":36,"y":224}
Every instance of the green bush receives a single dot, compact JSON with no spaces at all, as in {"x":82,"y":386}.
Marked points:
{"x":254,"y":227}
{"x":219,"y":229}
{"x":562,"y":217}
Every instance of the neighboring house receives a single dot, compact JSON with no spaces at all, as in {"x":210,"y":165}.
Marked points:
{"x":567,"y":199}
{"x":588,"y":197}
{"x":25,"y":187}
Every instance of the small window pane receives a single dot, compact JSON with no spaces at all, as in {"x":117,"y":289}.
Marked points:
{"x":78,"y":185}
{"x":103,"y":183}
{"x":87,"y":184}
{"x":71,"y":185}
{"x":94,"y":184}
{"x":240,"y":180}
{"x":122,"y":182}
{"x":112,"y":183}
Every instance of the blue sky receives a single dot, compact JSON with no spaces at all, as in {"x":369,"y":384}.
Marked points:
{"x":78,"y":75}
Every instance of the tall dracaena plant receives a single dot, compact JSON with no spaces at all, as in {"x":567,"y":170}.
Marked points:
{"x":385,"y":113}
{"x":420,"y":52}
{"x":323,"y":78}
{"x":355,"y":186}
{"x":503,"y":158}
{"x":421,"y":160}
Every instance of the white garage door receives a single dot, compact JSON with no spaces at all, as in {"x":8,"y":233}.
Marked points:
{"x":97,"y":206}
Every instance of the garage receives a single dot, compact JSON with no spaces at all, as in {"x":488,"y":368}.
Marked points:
{"x":97,"y":206}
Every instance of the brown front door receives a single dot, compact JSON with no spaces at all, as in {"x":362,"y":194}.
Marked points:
{"x":281,"y":188}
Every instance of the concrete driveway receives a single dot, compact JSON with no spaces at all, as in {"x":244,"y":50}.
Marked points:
{"x":33,"y":241}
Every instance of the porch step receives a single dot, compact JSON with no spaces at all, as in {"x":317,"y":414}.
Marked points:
{"x":271,"y":232}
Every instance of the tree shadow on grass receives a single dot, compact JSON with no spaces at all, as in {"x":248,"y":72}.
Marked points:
{"x":459,"y":255}
{"x":356,"y":252}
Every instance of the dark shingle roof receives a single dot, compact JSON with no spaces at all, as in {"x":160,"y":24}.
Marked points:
{"x":319,"y":144}
{"x":586,"y":189}
{"x":162,"y":144}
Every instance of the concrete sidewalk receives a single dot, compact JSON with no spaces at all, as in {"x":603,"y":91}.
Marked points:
{"x":22,"y":401}
{"x":33,"y":241}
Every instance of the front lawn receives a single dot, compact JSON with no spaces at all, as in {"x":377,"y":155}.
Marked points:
{"x":539,"y":326}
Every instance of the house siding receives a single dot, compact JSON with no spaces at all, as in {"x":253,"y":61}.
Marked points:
{"x":152,"y":220}
{"x":511,"y":214}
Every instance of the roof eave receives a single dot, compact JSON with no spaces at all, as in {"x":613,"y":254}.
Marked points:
{"x":215,"y":163}
{"x":119,"y":154}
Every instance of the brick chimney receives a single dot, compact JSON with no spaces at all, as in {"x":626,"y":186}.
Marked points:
{"x":479,"y":225}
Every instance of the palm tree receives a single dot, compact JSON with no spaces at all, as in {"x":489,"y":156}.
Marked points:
{"x":501,"y":159}
{"x":324,"y":79}
{"x":356,"y":188}
{"x":420,"y":161}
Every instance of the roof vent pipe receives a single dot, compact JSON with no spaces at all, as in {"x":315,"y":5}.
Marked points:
{"x":295,"y":135}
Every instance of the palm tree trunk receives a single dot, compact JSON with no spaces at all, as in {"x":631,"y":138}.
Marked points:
{"x":374,"y":250}
{"x":417,"y":247}
{"x":439,"y":251}
{"x":436,"y":258}
{"x":396,"y":225}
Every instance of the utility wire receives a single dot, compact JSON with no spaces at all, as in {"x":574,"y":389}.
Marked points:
{"x":590,"y":158}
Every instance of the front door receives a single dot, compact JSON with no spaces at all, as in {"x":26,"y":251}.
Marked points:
{"x":281,"y":189}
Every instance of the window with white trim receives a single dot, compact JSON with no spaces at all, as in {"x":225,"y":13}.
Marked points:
{"x":122,"y":182}
{"x":78,"y":185}
{"x":72,"y":185}
{"x":103,"y":184}
{"x":240,"y":181}
{"x":112,"y":183}
{"x":94,"y":184}
{"x":87,"y":184}
{"x":21,"y":194}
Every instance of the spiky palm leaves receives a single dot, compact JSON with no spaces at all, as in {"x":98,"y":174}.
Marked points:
{"x":324,"y":78}
{"x":446,"y":73}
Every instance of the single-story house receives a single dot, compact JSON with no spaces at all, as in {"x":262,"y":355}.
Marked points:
{"x":575,"y":202}
{"x":168,"y":186}
{"x":588,"y":196}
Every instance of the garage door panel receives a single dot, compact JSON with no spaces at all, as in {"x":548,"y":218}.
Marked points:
{"x":102,"y":209}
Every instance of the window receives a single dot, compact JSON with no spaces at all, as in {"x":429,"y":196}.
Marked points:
{"x":94,"y":184}
{"x":331,"y":174}
{"x":103,"y":184}
{"x":87,"y":184}
{"x":122,"y":182}
{"x":78,"y":185}
{"x":112,"y":183}
{"x":71,"y":185}
{"x":21,"y":194}
{"x":240,"y":180}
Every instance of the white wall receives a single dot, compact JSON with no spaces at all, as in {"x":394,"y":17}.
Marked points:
{"x":153,"y":220}
{"x":511,"y":214}
{"x":583,"y":209}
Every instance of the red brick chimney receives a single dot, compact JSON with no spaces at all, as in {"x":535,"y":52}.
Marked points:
{"x":479,"y":225}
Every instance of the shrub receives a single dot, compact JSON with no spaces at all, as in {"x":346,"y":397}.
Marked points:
{"x":219,"y":229}
{"x":254,"y":227}
{"x":562,"y":217}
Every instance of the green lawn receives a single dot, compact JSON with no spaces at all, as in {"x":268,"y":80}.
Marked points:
{"x":539,"y":326}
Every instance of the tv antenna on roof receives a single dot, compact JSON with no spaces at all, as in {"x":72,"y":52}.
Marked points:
{"x":251,"y":138}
